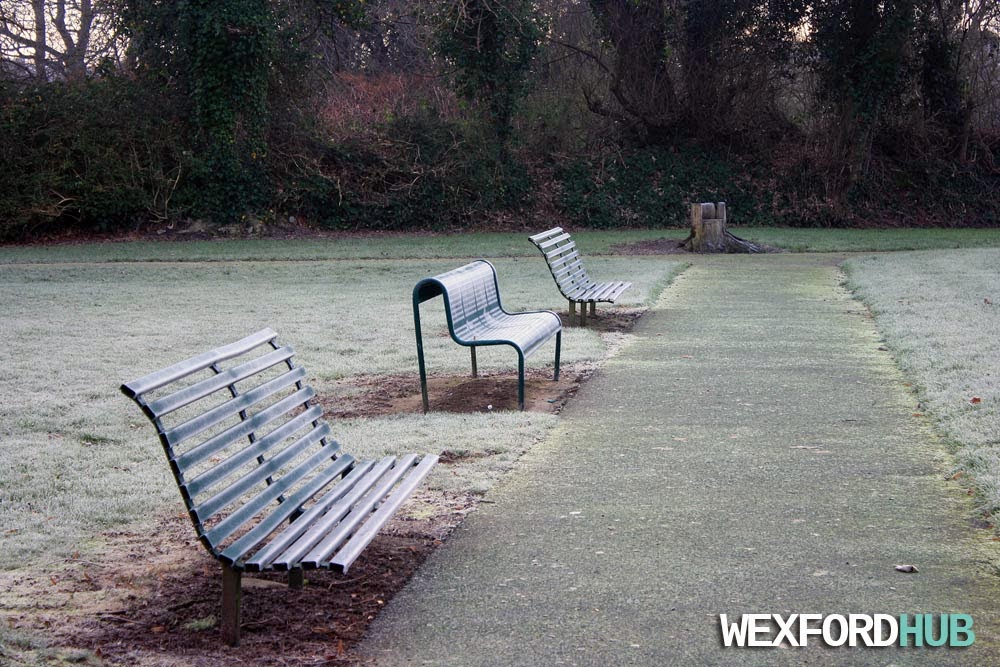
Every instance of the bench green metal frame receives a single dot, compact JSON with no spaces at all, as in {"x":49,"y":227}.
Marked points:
{"x":475,"y":317}
{"x":265,"y":485}
{"x":567,"y":269}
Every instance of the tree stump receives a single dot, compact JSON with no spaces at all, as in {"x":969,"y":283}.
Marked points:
{"x":709,"y":233}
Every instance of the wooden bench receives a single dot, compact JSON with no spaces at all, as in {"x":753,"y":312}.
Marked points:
{"x":566,"y":266}
{"x":475,"y":317}
{"x":263,"y":481}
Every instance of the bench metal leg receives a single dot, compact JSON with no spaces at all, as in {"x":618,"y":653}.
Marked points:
{"x":296,"y":578}
{"x":558,"y":349}
{"x":593,"y":308}
{"x":475,"y":371}
{"x":231,"y":597}
{"x":572,"y":308}
{"x":420,"y":355}
{"x":520,"y":380}
{"x":583,"y":314}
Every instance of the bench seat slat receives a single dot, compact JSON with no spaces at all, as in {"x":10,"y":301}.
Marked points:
{"x":243,"y":429}
{"x":321,"y":553}
{"x":233,"y":521}
{"x":344,"y":465}
{"x":328,"y":521}
{"x":199,"y":390}
{"x":282,"y":544}
{"x":350,"y":551}
{"x":526,"y":333}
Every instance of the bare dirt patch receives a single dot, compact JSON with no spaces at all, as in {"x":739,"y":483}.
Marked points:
{"x":152,"y":597}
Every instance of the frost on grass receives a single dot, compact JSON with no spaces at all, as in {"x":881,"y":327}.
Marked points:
{"x":939,"y":312}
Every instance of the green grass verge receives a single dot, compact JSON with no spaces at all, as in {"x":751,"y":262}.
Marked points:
{"x":470,"y":245}
{"x":77,"y":458}
{"x":940,"y":315}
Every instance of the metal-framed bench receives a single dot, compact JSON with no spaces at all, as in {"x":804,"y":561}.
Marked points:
{"x":265,"y":485}
{"x":476,"y":317}
{"x":566,"y":266}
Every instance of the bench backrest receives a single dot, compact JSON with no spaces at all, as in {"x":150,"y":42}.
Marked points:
{"x":471,"y":296}
{"x":564,"y":260}
{"x":240,"y":434}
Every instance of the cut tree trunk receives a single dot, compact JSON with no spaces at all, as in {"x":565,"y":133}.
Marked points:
{"x":709,"y":233}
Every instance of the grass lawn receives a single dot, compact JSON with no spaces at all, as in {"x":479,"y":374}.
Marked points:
{"x":77,"y":458}
{"x":940,"y":314}
{"x":470,"y":245}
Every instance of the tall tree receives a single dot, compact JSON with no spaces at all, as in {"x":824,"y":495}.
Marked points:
{"x":864,"y":61}
{"x":489,"y":46}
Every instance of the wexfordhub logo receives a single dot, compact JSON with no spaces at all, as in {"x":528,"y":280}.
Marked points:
{"x":875,"y":630}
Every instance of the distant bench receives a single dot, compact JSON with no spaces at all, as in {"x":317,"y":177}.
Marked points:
{"x":475,"y":317}
{"x":265,"y":485}
{"x":566,"y":266}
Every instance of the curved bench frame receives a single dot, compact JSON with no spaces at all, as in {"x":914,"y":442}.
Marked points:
{"x":476,"y":318}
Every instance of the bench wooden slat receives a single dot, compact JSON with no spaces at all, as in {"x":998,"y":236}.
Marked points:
{"x":265,"y":469}
{"x":258,"y":448}
{"x":541,"y":236}
{"x":161,"y":378}
{"x":243,"y":429}
{"x":249,"y":541}
{"x":323,"y":551}
{"x":200,"y":390}
{"x":233,"y":407}
{"x":268,"y":494}
{"x":562,"y":252}
{"x":553,"y":241}
{"x":350,"y":551}
{"x":284,"y":545}
{"x":330,"y":527}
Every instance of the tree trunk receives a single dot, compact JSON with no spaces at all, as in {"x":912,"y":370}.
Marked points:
{"x":709,"y":233}
{"x":41,"y":46}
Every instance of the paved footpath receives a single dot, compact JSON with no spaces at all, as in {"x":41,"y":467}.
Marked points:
{"x":752,"y":451}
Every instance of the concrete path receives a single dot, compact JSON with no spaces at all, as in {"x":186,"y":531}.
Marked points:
{"x":752,"y":451}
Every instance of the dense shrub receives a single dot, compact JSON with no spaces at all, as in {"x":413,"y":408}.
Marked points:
{"x":99,"y":154}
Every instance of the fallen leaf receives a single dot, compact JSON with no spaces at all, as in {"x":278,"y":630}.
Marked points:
{"x":158,"y":629}
{"x":975,"y":400}
{"x":906,"y":568}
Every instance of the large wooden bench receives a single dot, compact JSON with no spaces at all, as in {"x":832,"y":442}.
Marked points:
{"x":475,"y":318}
{"x":566,"y":266}
{"x":263,"y":481}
